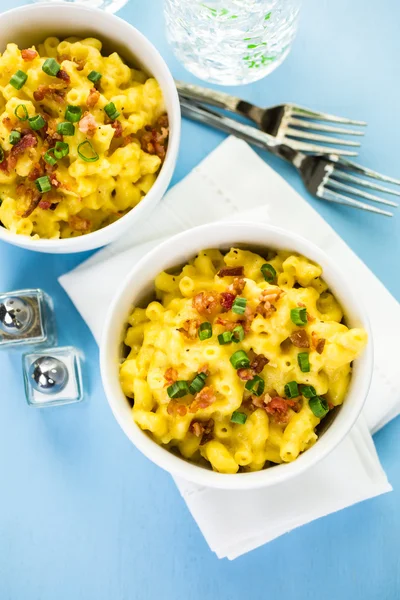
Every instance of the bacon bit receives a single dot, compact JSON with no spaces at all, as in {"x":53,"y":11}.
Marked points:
{"x":93,"y":98}
{"x":128,"y":139}
{"x":174,"y":408}
{"x":36,"y":172}
{"x":29,"y":54}
{"x":7,"y":123}
{"x":245,"y":374}
{"x":54,"y":181}
{"x":278,"y":409}
{"x":4,"y":166}
{"x":27,"y":141}
{"x":203,"y":399}
{"x":170,"y":376}
{"x":237,"y":286}
{"x":203,"y":430}
{"x":258,"y":363}
{"x":63,"y":75}
{"x":49,"y":90}
{"x":231,"y":272}
{"x":310,"y":318}
{"x":204,"y":369}
{"x":229,"y":325}
{"x":300,"y":339}
{"x":258,"y":401}
{"x":265,"y":309}
{"x":205,"y":302}
{"x":197,"y":428}
{"x":271,"y":294}
{"x":117,"y":125}
{"x":301,"y":305}
{"x":226,"y":300}
{"x":155,"y":139}
{"x":33,"y":197}
{"x":88,"y":124}
{"x":44,"y":204}
{"x":78,"y":223}
{"x":320,"y":346}
{"x":190,"y":328}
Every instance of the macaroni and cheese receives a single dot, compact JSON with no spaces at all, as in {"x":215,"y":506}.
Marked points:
{"x":238,"y":359}
{"x":82,"y":137}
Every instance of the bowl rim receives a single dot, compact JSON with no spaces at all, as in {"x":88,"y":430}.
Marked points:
{"x":103,"y":236}
{"x":180,"y":467}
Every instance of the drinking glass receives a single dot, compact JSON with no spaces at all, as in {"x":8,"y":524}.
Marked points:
{"x":231,"y":42}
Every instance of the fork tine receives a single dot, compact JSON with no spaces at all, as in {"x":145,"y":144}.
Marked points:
{"x":300,"y":111}
{"x":317,"y":137}
{"x":341,"y":199}
{"x":303,"y":123}
{"x":352,"y":166}
{"x":363,"y":182}
{"x":306,"y":147}
{"x":356,"y":192}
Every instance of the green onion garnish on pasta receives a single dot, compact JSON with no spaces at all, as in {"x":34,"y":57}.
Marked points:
{"x":256,"y":385}
{"x":299,"y":316}
{"x":308,"y":391}
{"x":73,"y":113}
{"x":225,"y":338}
{"x":205,"y":331}
{"x":268,"y":272}
{"x":240,"y":360}
{"x":94,"y":76}
{"x":43,"y":184}
{"x":87,"y":152}
{"x":292,"y":390}
{"x":18,"y":79}
{"x":36,"y":122}
{"x":65,"y":128}
{"x":111,"y":111}
{"x":319,"y":406}
{"x":49,"y":157}
{"x":198,"y":383}
{"x":238,"y":417}
{"x":14,"y":137}
{"x":61,"y":149}
{"x":239,"y":306}
{"x":22,"y":116}
{"x":237,"y":334}
{"x":51,"y":67}
{"x":178,"y":389}
{"x":304,"y":362}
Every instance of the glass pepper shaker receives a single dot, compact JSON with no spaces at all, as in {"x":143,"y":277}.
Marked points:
{"x":26,"y":318}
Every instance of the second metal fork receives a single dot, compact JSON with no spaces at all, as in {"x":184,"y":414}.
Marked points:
{"x":288,"y":123}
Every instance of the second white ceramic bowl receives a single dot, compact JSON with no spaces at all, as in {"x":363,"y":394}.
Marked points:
{"x":139,"y":285}
{"x":31,"y":24}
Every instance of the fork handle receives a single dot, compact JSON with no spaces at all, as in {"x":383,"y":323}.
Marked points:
{"x":222,"y":100}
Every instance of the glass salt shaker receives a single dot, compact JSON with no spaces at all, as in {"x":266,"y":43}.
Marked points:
{"x":53,"y":377}
{"x":26,"y":319}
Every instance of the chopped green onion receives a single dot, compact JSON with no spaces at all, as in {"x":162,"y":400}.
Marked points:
{"x":17,"y":112}
{"x":61,"y":149}
{"x":268,"y":272}
{"x":197,"y":384}
{"x":319,"y":406}
{"x":308,"y":391}
{"x":36,"y":122}
{"x":73,"y":113}
{"x":49,"y":157}
{"x":65,"y":128}
{"x":18,"y":79}
{"x":90,"y":154}
{"x":239,"y":306}
{"x":205,"y":331}
{"x":304,"y":363}
{"x":225,"y":338}
{"x":299,"y":316}
{"x":240,"y":360}
{"x":256,"y":385}
{"x":1,"y":154}
{"x":51,"y":67}
{"x":94,"y":76}
{"x":238,"y":417}
{"x":14,"y":138}
{"x":237,"y":334}
{"x":292,"y":389}
{"x":111,"y":110}
{"x":178,"y":389}
{"x":43,"y":184}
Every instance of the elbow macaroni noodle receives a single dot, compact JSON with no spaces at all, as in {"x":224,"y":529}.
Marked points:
{"x":273,"y":427}
{"x":86,"y":195}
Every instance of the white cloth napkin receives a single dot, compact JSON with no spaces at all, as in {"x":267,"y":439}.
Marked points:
{"x":234,"y":183}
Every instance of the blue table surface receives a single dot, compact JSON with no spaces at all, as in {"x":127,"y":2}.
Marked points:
{"x":82,"y":513}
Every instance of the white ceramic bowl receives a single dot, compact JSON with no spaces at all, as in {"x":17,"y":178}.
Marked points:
{"x":31,"y":24}
{"x":139,"y":284}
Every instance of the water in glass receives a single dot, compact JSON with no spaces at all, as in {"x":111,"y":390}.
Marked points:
{"x":231,"y":42}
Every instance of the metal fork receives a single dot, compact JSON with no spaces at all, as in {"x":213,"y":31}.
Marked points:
{"x":325,"y":176}
{"x":288,"y":123}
